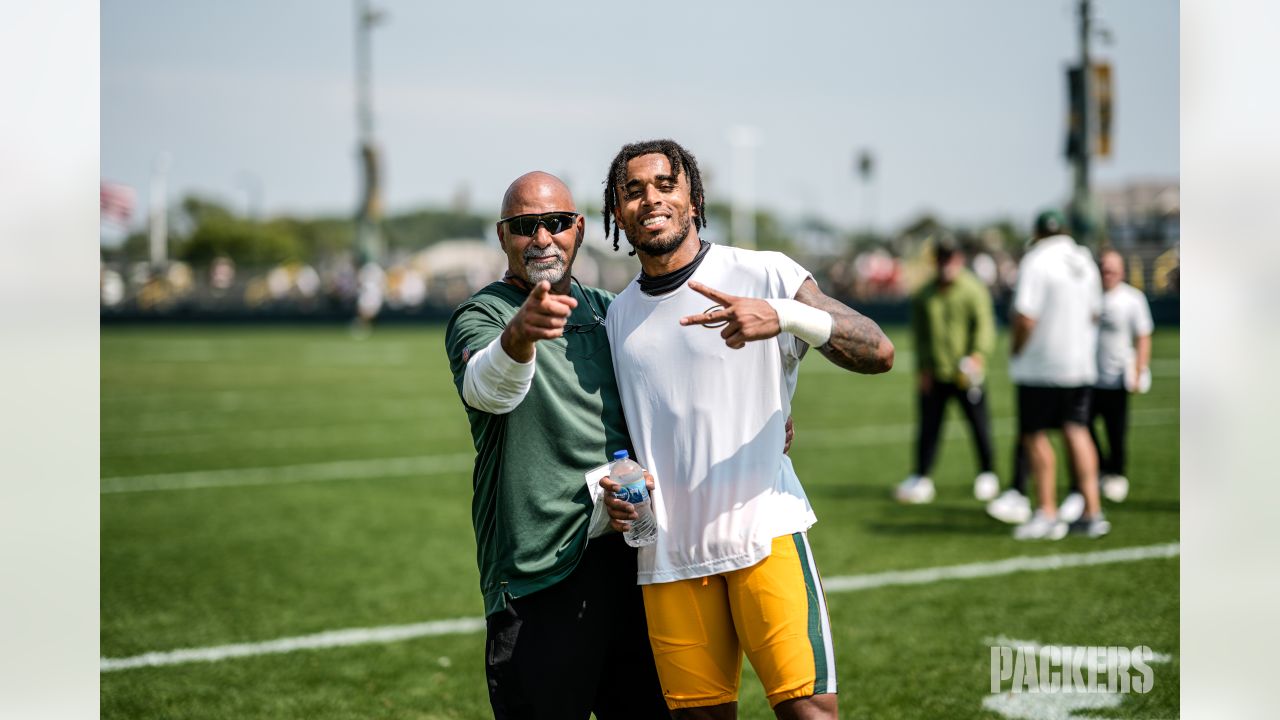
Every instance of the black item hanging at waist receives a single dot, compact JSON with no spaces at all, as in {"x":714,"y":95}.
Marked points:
{"x":664,"y":284}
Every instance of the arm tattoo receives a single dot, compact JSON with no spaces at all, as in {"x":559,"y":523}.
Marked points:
{"x":856,"y":343}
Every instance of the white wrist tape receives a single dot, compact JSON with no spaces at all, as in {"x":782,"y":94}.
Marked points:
{"x":805,"y":322}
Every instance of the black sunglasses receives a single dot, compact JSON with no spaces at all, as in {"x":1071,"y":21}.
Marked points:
{"x":585,"y":327}
{"x":527,"y":225}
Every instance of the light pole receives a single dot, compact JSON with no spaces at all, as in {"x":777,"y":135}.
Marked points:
{"x":369,"y":213}
{"x":1081,"y":201}
{"x":865,"y":164}
{"x":252,"y":186}
{"x":743,"y":140}
{"x":159,"y":225}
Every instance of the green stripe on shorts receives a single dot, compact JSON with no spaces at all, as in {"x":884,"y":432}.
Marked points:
{"x":816,"y":643}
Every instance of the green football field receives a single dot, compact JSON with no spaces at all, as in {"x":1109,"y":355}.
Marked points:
{"x":264,"y":486}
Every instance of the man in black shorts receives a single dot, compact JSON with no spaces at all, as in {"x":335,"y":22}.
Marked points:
{"x":1055,"y":315}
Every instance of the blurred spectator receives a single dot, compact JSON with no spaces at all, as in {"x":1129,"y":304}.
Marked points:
{"x":307,"y":280}
{"x":984,"y":267}
{"x":1008,"y":269}
{"x":111,"y":286}
{"x":139,"y":274}
{"x":953,"y":322}
{"x":878,"y":274}
{"x":180,"y":278}
{"x":413,"y":288}
{"x":222,"y":273}
{"x":370,"y":290}
{"x":1124,"y":359}
{"x":343,"y":284}
{"x":278,"y":283}
{"x":1165,"y":271}
{"x":1054,"y":365}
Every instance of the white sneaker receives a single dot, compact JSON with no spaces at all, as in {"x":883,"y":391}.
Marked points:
{"x":1072,"y":508}
{"x":915,"y":490}
{"x":1094,"y":527}
{"x":1115,"y":487}
{"x":1011,"y":507}
{"x":986,"y":486}
{"x":1040,"y":527}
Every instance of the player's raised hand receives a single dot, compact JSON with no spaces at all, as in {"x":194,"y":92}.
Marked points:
{"x":744,"y":319}
{"x":542,"y":317}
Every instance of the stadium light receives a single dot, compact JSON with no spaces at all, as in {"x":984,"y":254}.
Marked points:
{"x":743,"y":139}
{"x":369,"y":213}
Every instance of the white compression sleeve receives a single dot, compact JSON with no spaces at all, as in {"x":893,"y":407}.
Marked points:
{"x":805,"y":322}
{"x":494,"y":382}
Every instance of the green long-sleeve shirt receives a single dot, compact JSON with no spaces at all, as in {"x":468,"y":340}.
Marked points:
{"x":531,"y":504}
{"x":950,"y":323}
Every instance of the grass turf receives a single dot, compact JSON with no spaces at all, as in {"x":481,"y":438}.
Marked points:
{"x":213,"y":566}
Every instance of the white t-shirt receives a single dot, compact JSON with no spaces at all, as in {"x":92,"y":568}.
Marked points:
{"x":709,"y":421}
{"x":1126,"y":316}
{"x":1059,"y":287}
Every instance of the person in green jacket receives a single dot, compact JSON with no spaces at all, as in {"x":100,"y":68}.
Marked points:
{"x":953,"y":322}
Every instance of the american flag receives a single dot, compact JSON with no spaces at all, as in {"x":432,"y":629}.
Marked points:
{"x":117,"y":203}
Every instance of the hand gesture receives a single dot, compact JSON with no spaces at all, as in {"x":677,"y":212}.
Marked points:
{"x":747,"y":318}
{"x":542,"y":317}
{"x":621,"y":513}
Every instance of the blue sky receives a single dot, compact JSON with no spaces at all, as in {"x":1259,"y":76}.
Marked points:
{"x":962,"y":102}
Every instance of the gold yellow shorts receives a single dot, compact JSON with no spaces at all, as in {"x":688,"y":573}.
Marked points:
{"x":774,"y":610}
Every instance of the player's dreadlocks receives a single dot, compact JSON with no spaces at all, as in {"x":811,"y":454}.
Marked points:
{"x":680,"y":159}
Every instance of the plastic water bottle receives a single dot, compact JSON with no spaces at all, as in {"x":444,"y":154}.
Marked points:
{"x":628,"y":473}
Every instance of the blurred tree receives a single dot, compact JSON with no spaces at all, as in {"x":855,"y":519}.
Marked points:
{"x":770,"y":233}
{"x":1011,"y":239}
{"x":860,"y":241}
{"x":321,"y":238}
{"x":420,"y":228}
{"x":197,"y":210}
{"x":245,"y":242}
{"x":208,"y":229}
{"x":204,"y":228}
{"x":135,"y":248}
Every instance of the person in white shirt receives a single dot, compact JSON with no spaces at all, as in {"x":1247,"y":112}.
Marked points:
{"x":1055,"y":313}
{"x":1124,"y":360}
{"x":706,"y":344}
{"x":1124,"y":354}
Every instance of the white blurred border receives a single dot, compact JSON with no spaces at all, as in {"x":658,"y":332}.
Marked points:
{"x":1230,"y":334}
{"x":49,"y":364}
{"x":49,"y":359}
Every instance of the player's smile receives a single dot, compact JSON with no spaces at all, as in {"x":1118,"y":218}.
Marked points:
{"x":655,"y":222}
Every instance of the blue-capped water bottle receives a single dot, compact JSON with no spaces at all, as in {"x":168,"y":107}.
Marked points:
{"x":628,"y":473}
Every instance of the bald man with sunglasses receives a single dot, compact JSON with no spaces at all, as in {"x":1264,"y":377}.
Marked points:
{"x":530,"y":357}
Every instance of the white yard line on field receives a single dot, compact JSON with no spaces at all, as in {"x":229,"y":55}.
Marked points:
{"x":330,"y":639}
{"x":847,"y":583}
{"x":461,"y":462}
{"x":285,"y":474}
{"x":808,"y":436}
{"x":925,"y":576}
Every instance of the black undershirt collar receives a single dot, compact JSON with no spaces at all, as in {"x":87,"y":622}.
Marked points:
{"x":664,"y":284}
